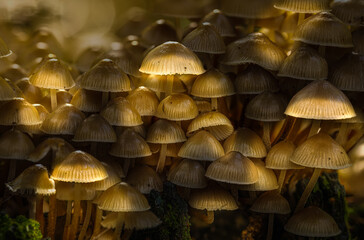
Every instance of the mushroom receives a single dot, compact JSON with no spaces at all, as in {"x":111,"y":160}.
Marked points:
{"x":157,"y":83}
{"x":87,"y":100}
{"x":220,"y":22}
{"x":350,"y":11}
{"x":19,"y":112}
{"x":158,"y":32}
{"x":6,"y":92}
{"x":144,"y":179}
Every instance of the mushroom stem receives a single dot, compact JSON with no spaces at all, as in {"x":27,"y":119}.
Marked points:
{"x":93,"y":149}
{"x":53,"y":99}
{"x":12,"y":169}
{"x":162,"y":158}
{"x":126,"y":165}
{"x":86,"y":221}
{"x":105,"y":98}
{"x":76,"y":212}
{"x":32,"y":207}
{"x":68,"y":220}
{"x":39,"y":216}
{"x":214,"y":105}
{"x":294,"y":127}
{"x":301,"y":17}
{"x":52,"y":216}
{"x":342,"y":134}
{"x":177,"y":23}
{"x":98,"y":219}
{"x":282,"y":176}
{"x":266,"y":134}
{"x":354,"y":139}
{"x":169,"y":84}
{"x":315,"y":127}
{"x":118,"y":229}
{"x":306,"y":193}
{"x":251,"y":25}
{"x":270,"y":226}
{"x":100,"y":235}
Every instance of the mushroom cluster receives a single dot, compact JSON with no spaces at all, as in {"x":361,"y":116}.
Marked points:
{"x":227,"y":104}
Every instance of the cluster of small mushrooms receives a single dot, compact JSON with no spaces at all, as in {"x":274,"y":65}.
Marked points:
{"x":238,"y":101}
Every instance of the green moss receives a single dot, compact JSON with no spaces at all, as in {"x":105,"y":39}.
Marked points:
{"x":20,"y":228}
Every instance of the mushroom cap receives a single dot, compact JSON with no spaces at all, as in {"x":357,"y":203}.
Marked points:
{"x":304,"y":63}
{"x":233,"y":168}
{"x":122,"y":198}
{"x":144,"y":101}
{"x":205,"y":39}
{"x":358,"y":40}
{"x":30,"y":92}
{"x":279,"y":156}
{"x":63,"y":121}
{"x":158,"y":83}
{"x":348,"y":11}
{"x":52,"y":74}
{"x":220,"y":22}
{"x":144,"y":179}
{"x":246,"y":142}
{"x":255,"y":48}
{"x":130,"y":145}
{"x":15,"y":145}
{"x":177,"y":107}
{"x":18,"y":111}
{"x":119,"y":112}
{"x":171,"y":58}
{"x":321,"y":151}
{"x":266,"y":107}
{"x":105,"y":76}
{"x":165,"y":132}
{"x":202,"y":146}
{"x":131,"y":220}
{"x":34,"y":179}
{"x":303,"y":6}
{"x":324,"y":29}
{"x":66,"y":192}
{"x":212,"y":84}
{"x":95,"y":129}
{"x":188,"y":173}
{"x":112,"y":179}
{"x":250,"y":9}
{"x":271,"y":202}
{"x":4,"y":50}
{"x":79,"y":167}
{"x":87,"y":100}
{"x":322,"y":101}
{"x":312,"y":222}
{"x":6,"y":92}
{"x":215,"y":123}
{"x":158,"y":32}
{"x":254,"y":80}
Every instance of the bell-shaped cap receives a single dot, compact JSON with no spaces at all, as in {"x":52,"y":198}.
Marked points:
{"x":6,"y":92}
{"x":303,"y":6}
{"x":19,"y":112}
{"x":266,"y":107}
{"x":4,"y":50}
{"x":144,"y":179}
{"x":165,"y":132}
{"x":246,"y":142}
{"x":87,"y":100}
{"x":52,"y":74}
{"x":304,"y":63}
{"x":171,"y":58}
{"x":158,"y":83}
{"x":321,"y":151}
{"x":159,"y":32}
{"x":79,"y":167}
{"x":271,"y":202}
{"x":63,"y":121}
{"x":122,"y":198}
{"x":214,"y":122}
{"x":202,"y":146}
{"x":324,"y":29}
{"x":119,"y":112}
{"x":144,"y":101}
{"x":312,"y":222}
{"x":105,"y":76}
{"x":189,"y":174}
{"x":233,"y":168}
{"x":34,"y":179}
{"x":177,"y":107}
{"x":348,"y":11}
{"x":250,"y":9}
{"x":255,"y":48}
{"x":322,"y":101}
{"x":66,"y":191}
{"x":112,"y":179}
{"x":95,"y":129}
{"x":279,"y":156}
{"x":30,"y":92}
{"x":130,"y":145}
{"x":220,"y":22}
{"x":131,"y":220}
{"x":15,"y":145}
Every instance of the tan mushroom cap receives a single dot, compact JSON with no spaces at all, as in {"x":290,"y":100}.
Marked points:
{"x":87,"y":100}
{"x":212,"y":198}
{"x":65,"y":191}
{"x":320,"y":100}
{"x":35,"y":129}
{"x":359,"y":118}
{"x":177,"y":107}
{"x":358,"y":40}
{"x":321,"y":151}
{"x":15,"y":145}
{"x":52,"y":74}
{"x":144,"y":179}
{"x":79,"y":167}
{"x":19,"y":112}
{"x":122,"y":198}
{"x":212,"y":84}
{"x":349,"y":11}
{"x":63,"y":121}
{"x":246,"y":142}
{"x":179,"y":8}
{"x":304,"y":63}
{"x":158,"y":83}
{"x":220,"y":22}
{"x":324,"y":29}
{"x":130,"y":145}
{"x":188,"y":173}
{"x":202,"y":146}
{"x":131,"y":220}
{"x":312,"y":222}
{"x":34,"y":179}
{"x":105,"y":76}
{"x":112,"y":179}
{"x":94,"y":129}
{"x":158,"y":32}
{"x":271,"y":202}
{"x":119,"y":112}
{"x":233,"y":168}
{"x":250,"y":9}
{"x":6,"y":92}
{"x":144,"y":101}
{"x":255,"y":48}
{"x":348,"y":73}
{"x":266,"y":107}
{"x":4,"y":50}
{"x":30,"y":92}
{"x":303,"y":6}
{"x":165,"y":132}
{"x":214,"y":122}
{"x":279,"y":157}
{"x":205,"y":39}
{"x":255,"y":80}
{"x":171,"y":58}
